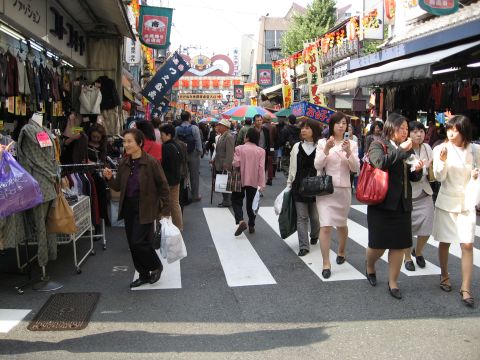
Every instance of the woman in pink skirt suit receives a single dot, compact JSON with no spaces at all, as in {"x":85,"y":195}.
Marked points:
{"x":337,"y":156}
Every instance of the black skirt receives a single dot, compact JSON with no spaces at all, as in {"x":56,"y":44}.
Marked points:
{"x":389,"y":229}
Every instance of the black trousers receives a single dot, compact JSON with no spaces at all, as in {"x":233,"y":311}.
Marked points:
{"x":140,"y":240}
{"x":237,"y":204}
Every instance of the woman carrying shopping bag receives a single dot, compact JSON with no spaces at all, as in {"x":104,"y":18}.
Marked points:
{"x":390,"y":222}
{"x":337,"y":156}
{"x":144,"y":195}
{"x":250,"y":158}
{"x":455,"y":164}
{"x":302,"y":157}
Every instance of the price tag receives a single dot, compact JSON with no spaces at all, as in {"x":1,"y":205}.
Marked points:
{"x":43,"y":139}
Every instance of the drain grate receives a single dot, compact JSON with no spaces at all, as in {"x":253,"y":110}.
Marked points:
{"x":65,"y":311}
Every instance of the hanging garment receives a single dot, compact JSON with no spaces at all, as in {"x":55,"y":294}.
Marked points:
{"x":90,"y":100}
{"x":54,"y":81}
{"x":3,"y":75}
{"x":112,"y":122}
{"x":12,"y":75}
{"x":30,"y":73}
{"x":23,"y":84}
{"x":110,"y":98}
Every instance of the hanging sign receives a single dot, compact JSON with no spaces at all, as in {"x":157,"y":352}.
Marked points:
{"x":192,"y":96}
{"x":312,"y":111}
{"x":439,"y":7}
{"x":371,"y":22}
{"x":314,"y":74}
{"x":154,"y":24}
{"x":265,"y":75}
{"x":132,"y":51}
{"x":164,"y":79}
{"x":238,"y":91}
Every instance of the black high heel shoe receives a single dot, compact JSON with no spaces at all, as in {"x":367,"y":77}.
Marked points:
{"x":395,"y":292}
{"x":372,"y":278}
{"x":470,"y":302}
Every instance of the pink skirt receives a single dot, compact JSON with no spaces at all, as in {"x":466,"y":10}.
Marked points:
{"x":333,"y":209}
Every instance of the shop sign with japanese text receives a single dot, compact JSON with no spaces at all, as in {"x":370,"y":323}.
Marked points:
{"x":29,"y":14}
{"x":208,"y":96}
{"x":164,"y":79}
{"x":264,"y":75}
{"x":154,"y":26}
{"x":132,"y":51}
{"x":312,"y":111}
{"x":439,"y":7}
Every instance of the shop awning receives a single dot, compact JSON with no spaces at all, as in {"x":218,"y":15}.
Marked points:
{"x":417,"y":67}
{"x":272,"y":89}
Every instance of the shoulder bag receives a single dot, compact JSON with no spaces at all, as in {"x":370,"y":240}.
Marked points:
{"x":372,"y":186}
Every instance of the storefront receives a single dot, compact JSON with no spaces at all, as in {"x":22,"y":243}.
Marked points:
{"x":52,"y":63}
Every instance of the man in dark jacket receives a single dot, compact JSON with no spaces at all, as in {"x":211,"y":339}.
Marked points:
{"x":289,"y":136}
{"x":171,"y":163}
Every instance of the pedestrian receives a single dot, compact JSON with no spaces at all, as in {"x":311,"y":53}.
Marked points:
{"x":151,"y":146}
{"x":337,"y":156}
{"x":190,"y":135}
{"x":272,"y":135}
{"x":250,"y":158}
{"x":243,"y":131}
{"x":422,"y":201}
{"x":211,"y":139}
{"x":390,"y":222}
{"x":302,"y":157}
{"x":375,"y":134}
{"x":172,"y":159}
{"x":143,"y":196}
{"x":264,"y":140}
{"x":454,"y":164}
{"x":156,"y":122}
{"x":224,"y":155}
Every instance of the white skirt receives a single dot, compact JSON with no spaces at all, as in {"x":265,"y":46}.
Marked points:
{"x":454,"y":228}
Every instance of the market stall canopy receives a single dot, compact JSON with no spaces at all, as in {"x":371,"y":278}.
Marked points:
{"x":208,"y":120}
{"x":417,"y":67}
{"x":283,"y":112}
{"x":308,"y":110}
{"x":100,"y":17}
{"x":246,"y":111}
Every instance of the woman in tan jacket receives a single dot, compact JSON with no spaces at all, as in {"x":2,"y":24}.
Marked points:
{"x":144,"y":195}
{"x":454,"y":164}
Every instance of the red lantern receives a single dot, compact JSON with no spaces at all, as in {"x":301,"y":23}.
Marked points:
{"x":127,"y":106}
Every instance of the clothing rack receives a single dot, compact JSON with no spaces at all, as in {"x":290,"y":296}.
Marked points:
{"x":84,"y":168}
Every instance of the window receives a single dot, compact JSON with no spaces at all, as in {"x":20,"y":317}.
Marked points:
{"x":272,"y":39}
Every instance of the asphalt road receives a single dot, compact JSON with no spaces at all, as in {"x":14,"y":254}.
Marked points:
{"x":290,"y":312}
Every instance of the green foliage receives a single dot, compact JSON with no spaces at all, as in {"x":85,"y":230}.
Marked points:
{"x":320,"y":17}
{"x":370,"y":46}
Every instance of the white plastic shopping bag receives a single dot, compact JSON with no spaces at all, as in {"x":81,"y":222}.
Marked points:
{"x":472,"y":193}
{"x":277,"y":205}
{"x":221,"y":181}
{"x":172,"y":246}
{"x":256,"y":202}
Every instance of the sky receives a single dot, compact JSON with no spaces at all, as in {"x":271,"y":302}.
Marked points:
{"x":214,"y":26}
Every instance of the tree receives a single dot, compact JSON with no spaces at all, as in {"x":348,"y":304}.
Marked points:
{"x":320,"y":17}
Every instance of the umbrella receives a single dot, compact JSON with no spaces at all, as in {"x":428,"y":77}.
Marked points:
{"x":208,"y":119}
{"x":246,"y":111}
{"x":283,"y":112}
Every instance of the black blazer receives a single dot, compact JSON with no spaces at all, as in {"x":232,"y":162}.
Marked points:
{"x":394,"y":162}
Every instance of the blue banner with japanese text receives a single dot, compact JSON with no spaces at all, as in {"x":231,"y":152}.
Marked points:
{"x":164,"y":79}
{"x":312,"y":111}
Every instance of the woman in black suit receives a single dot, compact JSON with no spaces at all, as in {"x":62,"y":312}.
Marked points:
{"x":390,"y":223}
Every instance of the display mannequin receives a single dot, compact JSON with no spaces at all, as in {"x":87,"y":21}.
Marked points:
{"x":36,"y":153}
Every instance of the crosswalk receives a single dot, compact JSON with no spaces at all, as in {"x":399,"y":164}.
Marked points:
{"x":242,"y":265}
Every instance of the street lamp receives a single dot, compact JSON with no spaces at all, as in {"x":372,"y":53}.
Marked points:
{"x":245,"y":78}
{"x":275,"y":53}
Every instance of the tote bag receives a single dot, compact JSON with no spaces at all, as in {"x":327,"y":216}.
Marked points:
{"x":372,"y":186}
{"x":60,"y":218}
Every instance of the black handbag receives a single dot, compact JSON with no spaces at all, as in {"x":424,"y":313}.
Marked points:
{"x":316,"y":185}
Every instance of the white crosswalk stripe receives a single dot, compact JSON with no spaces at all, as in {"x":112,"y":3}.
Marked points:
{"x":455,"y":249}
{"x":240,"y":262}
{"x":313,"y":259}
{"x":9,"y":318}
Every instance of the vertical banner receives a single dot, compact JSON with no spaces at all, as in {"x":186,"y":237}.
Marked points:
{"x":439,"y":8}
{"x":312,"y":65}
{"x":238,"y":91}
{"x":264,"y":75}
{"x":371,"y":23}
{"x":154,"y":24}
{"x":132,"y":51}
{"x":287,"y":93}
{"x":164,"y":79}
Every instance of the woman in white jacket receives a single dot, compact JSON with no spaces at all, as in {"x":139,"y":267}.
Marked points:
{"x":454,"y":165}
{"x":422,"y":201}
{"x":338,"y":156}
